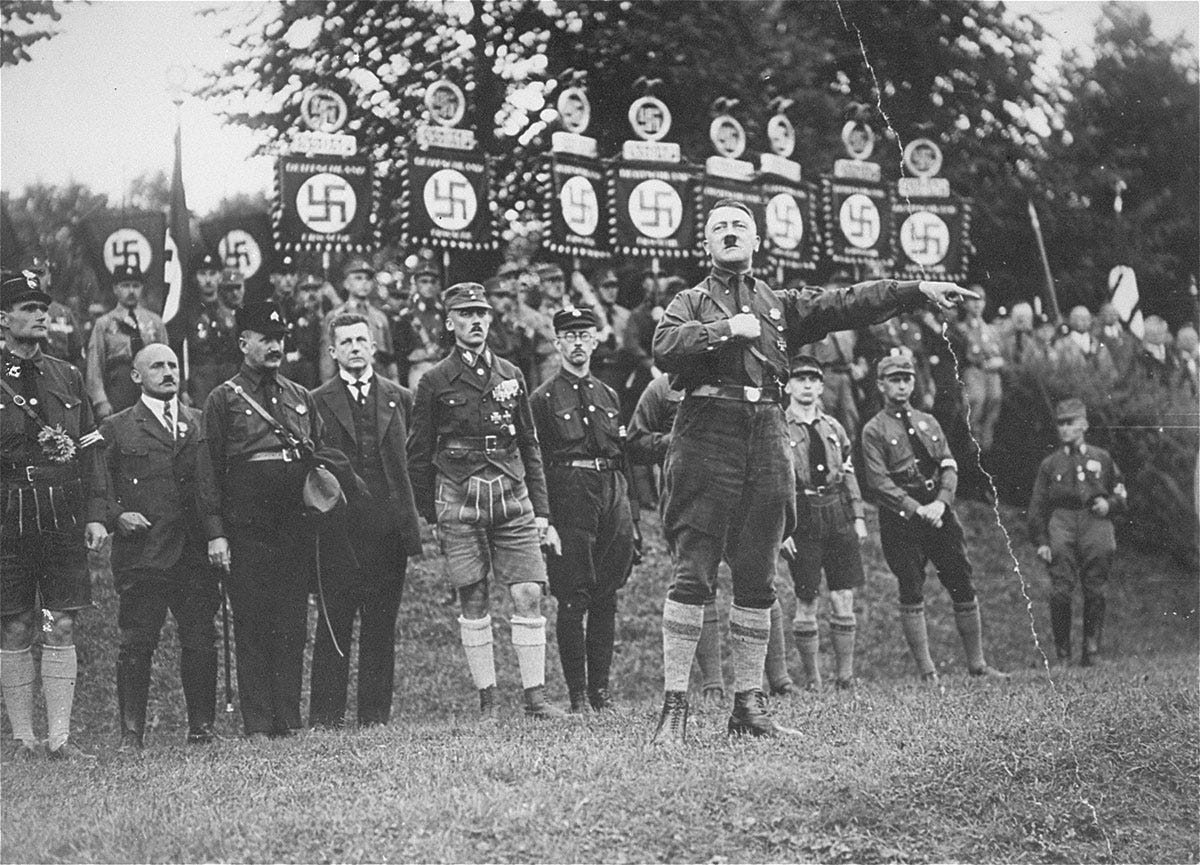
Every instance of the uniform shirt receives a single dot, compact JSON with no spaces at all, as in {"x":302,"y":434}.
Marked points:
{"x":1073,"y":478}
{"x":61,"y":402}
{"x":983,"y":344}
{"x":110,"y":347}
{"x":650,"y":428}
{"x":889,"y":462}
{"x":694,"y":343}
{"x":233,"y":429}
{"x":840,"y":467}
{"x":473,"y":396}
{"x":578,"y":418}
{"x":214,"y":339}
{"x":1082,"y":349}
{"x":377,"y":324}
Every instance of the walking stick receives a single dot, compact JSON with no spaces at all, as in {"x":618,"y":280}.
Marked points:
{"x":228,"y":653}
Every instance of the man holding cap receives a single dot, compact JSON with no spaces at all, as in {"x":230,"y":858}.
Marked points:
{"x":725,"y":342}
{"x":117,"y":337}
{"x":477,"y":475}
{"x":1077,"y":490}
{"x":51,"y":482}
{"x":591,"y":534}
{"x":359,"y":282}
{"x":829,"y":524}
{"x":249,"y":483}
{"x":907,"y":461}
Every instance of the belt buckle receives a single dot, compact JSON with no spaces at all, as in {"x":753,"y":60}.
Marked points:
{"x":752,"y":394}
{"x":822,"y":489}
{"x":489,"y":443}
{"x":288,"y":455}
{"x":29,"y":470}
{"x":596,"y":462}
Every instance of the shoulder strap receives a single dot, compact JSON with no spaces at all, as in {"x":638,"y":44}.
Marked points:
{"x":281,"y":432}
{"x":22,"y":403}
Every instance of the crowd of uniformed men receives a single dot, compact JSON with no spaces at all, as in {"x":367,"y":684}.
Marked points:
{"x":529,"y":418}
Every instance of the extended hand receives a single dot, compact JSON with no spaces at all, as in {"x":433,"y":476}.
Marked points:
{"x":946,"y":295}
{"x":745,"y":324}
{"x":131,"y":522}
{"x":1045,"y":553}
{"x":218,"y":553}
{"x":94,"y":535}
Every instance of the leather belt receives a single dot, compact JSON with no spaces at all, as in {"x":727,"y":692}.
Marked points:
{"x":822,"y":490}
{"x":599,"y":464}
{"x":39,"y":474}
{"x":287,"y":456}
{"x":740,"y":394}
{"x":487,"y":444}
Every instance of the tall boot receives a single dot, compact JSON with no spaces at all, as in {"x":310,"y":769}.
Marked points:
{"x":1060,"y":624}
{"x":601,"y":635}
{"x":133,"y":692}
{"x":198,"y":673}
{"x":1093,"y":624}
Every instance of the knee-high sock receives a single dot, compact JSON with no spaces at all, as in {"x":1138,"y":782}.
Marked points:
{"x":841,"y":634}
{"x":59,"y":669}
{"x":912,"y":622}
{"x":970,"y":630}
{"x":749,"y":631}
{"x":708,"y":650}
{"x":777,"y":669}
{"x":16,"y":683}
{"x":476,"y":637}
{"x":682,"y":625}
{"x":529,"y":641}
{"x":808,"y":640}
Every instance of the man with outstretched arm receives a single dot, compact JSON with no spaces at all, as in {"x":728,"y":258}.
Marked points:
{"x":725,"y":342}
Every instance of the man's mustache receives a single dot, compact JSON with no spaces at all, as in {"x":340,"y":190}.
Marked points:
{"x":730,"y":240}
{"x":274,"y":355}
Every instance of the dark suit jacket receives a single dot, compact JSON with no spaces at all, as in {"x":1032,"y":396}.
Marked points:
{"x":151,"y":475}
{"x":395,"y":404}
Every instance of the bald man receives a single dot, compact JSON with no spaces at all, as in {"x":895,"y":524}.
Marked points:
{"x":159,"y":550}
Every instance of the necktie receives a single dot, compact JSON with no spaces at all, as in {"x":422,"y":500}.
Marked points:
{"x":270,"y":388}
{"x":925,"y":462}
{"x":360,"y":392}
{"x":168,"y":420}
{"x":135,"y":335}
{"x":817,"y":458}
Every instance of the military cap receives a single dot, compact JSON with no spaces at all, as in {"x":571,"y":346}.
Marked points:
{"x":1069,"y":409}
{"x":806,"y":363}
{"x":263,"y":317}
{"x":231,"y":276}
{"x":896,"y":364}
{"x":550,"y":271}
{"x":574,"y":319}
{"x":287,"y":265}
{"x":425,"y":267}
{"x":208,"y":261}
{"x":358,"y":265}
{"x":310,"y":280}
{"x":509,"y":269}
{"x":17,"y":286}
{"x":127,"y":273}
{"x":465,"y":295}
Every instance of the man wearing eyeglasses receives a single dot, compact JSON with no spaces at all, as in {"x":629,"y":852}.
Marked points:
{"x":591,"y":538}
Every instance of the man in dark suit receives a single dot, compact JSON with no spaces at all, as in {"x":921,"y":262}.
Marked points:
{"x":158,"y":556}
{"x":366,"y":417}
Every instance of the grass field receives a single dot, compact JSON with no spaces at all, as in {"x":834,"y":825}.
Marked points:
{"x":1083,"y":765}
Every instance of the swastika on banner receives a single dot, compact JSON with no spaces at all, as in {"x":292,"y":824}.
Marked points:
{"x":239,"y":249}
{"x":128,"y":247}
{"x":785,"y":222}
{"x":655,"y":208}
{"x":326,"y":203}
{"x":925,"y":238}
{"x":450,"y":200}
{"x":859,"y":220}
{"x":580,"y":208}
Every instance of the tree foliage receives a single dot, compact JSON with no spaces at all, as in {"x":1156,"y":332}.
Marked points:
{"x":24,"y":23}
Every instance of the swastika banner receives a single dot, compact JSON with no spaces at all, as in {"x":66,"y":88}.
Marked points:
{"x":790,"y":227}
{"x":931,"y":238}
{"x":134,"y":238}
{"x":713,"y":189}
{"x":325,"y":203}
{"x":244,"y":241}
{"x":857,"y":221}
{"x":575,"y":206}
{"x":655,"y":209}
{"x":445,"y":199}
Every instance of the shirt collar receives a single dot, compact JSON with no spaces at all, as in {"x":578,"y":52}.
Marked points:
{"x":728,"y":277}
{"x":256,"y":377}
{"x":1080,"y":449}
{"x":469,"y":359}
{"x":156,"y":407}
{"x":367,"y":378}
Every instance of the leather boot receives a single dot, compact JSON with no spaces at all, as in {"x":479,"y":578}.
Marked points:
{"x":198,"y":674}
{"x":1060,"y":623}
{"x":1093,"y":624}
{"x":601,"y":699}
{"x":672,"y":723}
{"x":488,"y":709}
{"x":537,"y":707}
{"x":751,"y":717}
{"x":579,"y":703}
{"x":133,"y":691}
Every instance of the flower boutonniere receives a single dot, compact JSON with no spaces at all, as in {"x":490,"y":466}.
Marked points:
{"x":56,"y":444}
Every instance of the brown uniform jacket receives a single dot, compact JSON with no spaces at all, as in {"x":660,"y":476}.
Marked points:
{"x":889,"y":464}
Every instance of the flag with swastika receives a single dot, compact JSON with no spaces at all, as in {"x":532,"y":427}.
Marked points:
{"x":445,"y":199}
{"x":790,"y":228}
{"x":244,"y":242}
{"x":130,"y":238}
{"x":857,"y":221}
{"x":655,"y":209}
{"x":931,"y":237}
{"x":575,"y":205}
{"x":325,"y":203}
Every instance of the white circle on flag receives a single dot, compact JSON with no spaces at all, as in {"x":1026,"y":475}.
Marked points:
{"x":785,"y":222}
{"x":859,"y":220}
{"x":655,"y":208}
{"x":580,"y":208}
{"x":239,"y":249}
{"x":326,"y":203}
{"x":128,"y":246}
{"x":925,"y":238}
{"x":450,"y":199}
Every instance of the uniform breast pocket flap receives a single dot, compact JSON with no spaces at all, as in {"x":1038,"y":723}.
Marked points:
{"x":569,"y":424}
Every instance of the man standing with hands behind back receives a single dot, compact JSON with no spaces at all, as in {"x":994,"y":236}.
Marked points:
{"x":725,"y":342}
